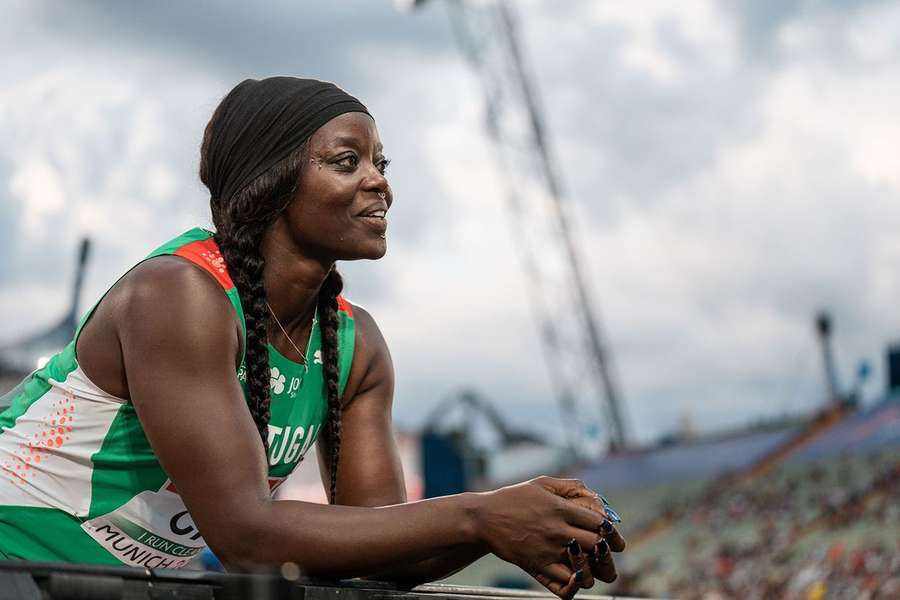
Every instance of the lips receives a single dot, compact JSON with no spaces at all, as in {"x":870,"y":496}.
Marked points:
{"x":377,"y":209}
{"x":374,"y":217}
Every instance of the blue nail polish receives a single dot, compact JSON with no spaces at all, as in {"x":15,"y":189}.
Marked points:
{"x":610,"y":512}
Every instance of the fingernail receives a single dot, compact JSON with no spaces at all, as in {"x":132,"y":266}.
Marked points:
{"x":606,"y":526}
{"x":602,"y":548}
{"x":579,"y":576}
{"x":610,"y":512}
{"x":613,"y":515}
{"x":574,"y":547}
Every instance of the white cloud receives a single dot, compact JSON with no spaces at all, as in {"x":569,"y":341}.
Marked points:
{"x":731,"y":262}
{"x":650,"y":25}
{"x":90,"y":153}
{"x":722,"y":196}
{"x":38,"y":187}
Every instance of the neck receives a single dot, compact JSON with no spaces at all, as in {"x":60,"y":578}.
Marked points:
{"x":292,"y":280}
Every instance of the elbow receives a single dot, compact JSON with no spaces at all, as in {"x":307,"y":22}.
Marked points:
{"x":240,"y":543}
{"x":256,"y":542}
{"x":235,"y":559}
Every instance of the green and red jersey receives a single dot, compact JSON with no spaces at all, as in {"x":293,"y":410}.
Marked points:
{"x":78,"y":479}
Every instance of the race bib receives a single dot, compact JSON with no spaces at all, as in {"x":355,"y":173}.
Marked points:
{"x":152,"y":530}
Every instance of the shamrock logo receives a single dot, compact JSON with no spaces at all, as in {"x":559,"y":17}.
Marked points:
{"x":277,"y":380}
{"x":317,"y":357}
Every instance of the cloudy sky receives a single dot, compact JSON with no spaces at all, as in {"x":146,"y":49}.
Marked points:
{"x":733,"y":167}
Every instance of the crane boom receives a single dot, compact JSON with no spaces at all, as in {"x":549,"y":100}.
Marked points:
{"x":575,"y":349}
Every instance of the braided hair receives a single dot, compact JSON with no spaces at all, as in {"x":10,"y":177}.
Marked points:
{"x":240,"y":221}
{"x":328,"y":316}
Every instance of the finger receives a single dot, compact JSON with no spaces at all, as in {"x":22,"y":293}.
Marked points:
{"x":548,"y":583}
{"x":580,"y":517}
{"x":578,"y":560}
{"x":598,"y":504}
{"x":601,"y":563}
{"x":606,"y":530}
{"x":591,"y":502}
{"x":551,"y":577}
{"x":563,"y":591}
{"x":568,"y":591}
{"x":613,"y":537}
{"x":586,"y":539}
{"x":565,"y":488}
{"x":556,"y":572}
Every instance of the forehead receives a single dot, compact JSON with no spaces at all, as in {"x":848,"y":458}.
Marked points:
{"x":353,"y":129}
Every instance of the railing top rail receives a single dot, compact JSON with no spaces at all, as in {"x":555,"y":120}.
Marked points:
{"x":50,"y":580}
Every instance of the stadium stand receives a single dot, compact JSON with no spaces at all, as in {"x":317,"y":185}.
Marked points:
{"x":821,"y":523}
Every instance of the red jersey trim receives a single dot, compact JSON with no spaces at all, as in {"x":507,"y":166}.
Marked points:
{"x":345,"y":306}
{"x":206,"y":255}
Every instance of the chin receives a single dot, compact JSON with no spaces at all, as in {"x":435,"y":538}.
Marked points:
{"x":367,"y":252}
{"x":378,"y":252}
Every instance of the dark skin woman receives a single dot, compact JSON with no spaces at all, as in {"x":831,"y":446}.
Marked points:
{"x":166,"y":332}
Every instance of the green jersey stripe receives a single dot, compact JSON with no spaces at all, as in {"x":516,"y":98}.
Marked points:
{"x":63,"y":539}
{"x":124,"y":463}
{"x":37,"y":384}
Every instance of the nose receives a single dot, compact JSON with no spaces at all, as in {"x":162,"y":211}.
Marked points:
{"x":376,"y":182}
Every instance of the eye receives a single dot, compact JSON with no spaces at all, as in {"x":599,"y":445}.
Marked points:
{"x":348,"y":161}
{"x":383,"y":165}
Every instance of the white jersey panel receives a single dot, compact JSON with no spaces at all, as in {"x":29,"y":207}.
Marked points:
{"x":47,"y":454}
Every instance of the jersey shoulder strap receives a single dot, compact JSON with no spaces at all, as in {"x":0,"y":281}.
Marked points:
{"x":198,"y":246}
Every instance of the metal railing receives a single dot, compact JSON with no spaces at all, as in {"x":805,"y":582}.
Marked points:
{"x":22,"y":580}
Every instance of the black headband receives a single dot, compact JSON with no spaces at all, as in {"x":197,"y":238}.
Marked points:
{"x":262,"y":121}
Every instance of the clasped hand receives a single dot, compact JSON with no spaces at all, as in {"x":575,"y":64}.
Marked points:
{"x":557,"y":530}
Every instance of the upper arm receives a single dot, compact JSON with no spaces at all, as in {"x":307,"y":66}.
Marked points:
{"x":179,"y":344}
{"x":369,"y":471}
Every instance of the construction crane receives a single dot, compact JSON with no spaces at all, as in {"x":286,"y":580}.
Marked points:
{"x":574,"y":346}
{"x":458,"y":455}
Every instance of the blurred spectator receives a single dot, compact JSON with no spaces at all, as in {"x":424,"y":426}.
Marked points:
{"x":751,"y":540}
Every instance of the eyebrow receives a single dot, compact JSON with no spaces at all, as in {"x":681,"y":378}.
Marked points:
{"x":344,"y":140}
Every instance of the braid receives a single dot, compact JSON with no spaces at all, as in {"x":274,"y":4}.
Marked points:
{"x":328,"y":319}
{"x":242,"y":217}
{"x":240,"y":221}
{"x":240,"y":249}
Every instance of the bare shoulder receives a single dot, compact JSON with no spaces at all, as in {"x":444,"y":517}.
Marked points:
{"x":370,"y":342}
{"x":372,"y":365}
{"x":175,"y":296}
{"x":366,"y":327}
{"x":164,"y":308}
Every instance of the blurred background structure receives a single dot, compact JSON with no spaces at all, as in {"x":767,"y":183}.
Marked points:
{"x":579,"y":359}
{"x":706,"y":175}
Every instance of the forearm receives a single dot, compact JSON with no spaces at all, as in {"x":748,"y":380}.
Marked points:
{"x":344,"y":541}
{"x":434,"y":568}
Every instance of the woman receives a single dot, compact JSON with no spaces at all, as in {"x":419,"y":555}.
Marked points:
{"x":167,"y":422}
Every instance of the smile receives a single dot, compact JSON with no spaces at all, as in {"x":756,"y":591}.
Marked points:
{"x":375,"y":220}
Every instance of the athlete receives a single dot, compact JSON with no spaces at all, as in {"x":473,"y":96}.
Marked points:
{"x":201,"y":378}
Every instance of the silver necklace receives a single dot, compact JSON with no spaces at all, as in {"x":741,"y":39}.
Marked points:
{"x":302,"y":355}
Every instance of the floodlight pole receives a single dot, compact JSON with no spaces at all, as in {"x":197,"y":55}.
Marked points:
{"x":487,"y":36}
